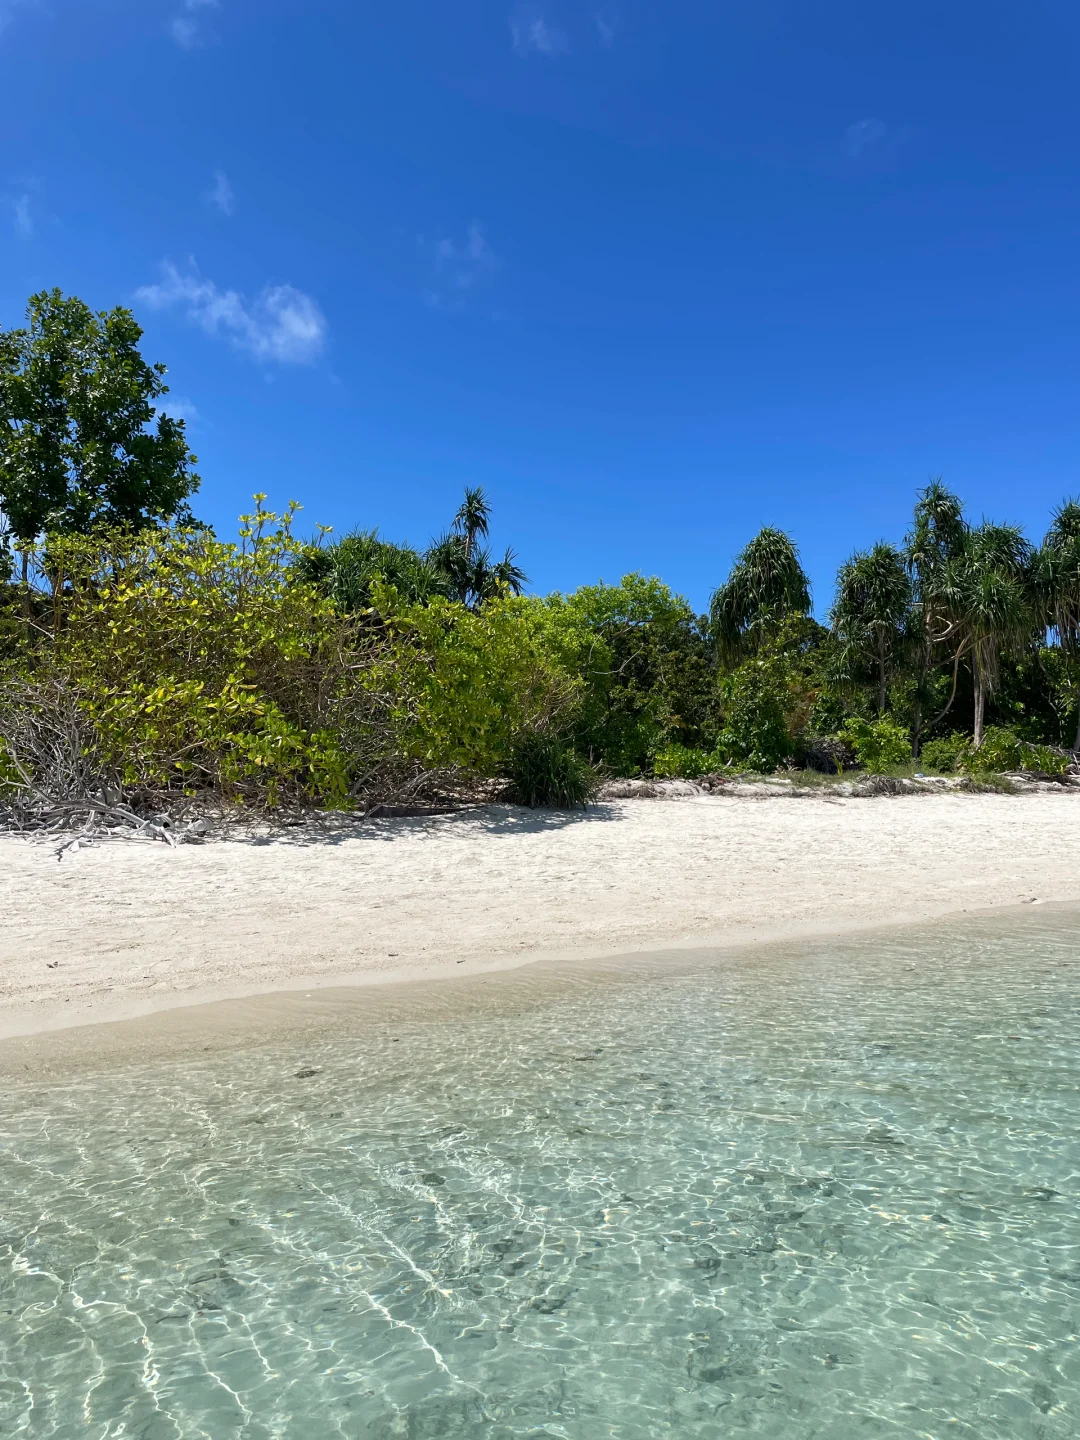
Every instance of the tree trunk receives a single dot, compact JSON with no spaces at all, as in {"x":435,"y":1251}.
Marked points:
{"x":26,"y":589}
{"x":1076,"y":742}
{"x":881,"y":679}
{"x":980,"y":706}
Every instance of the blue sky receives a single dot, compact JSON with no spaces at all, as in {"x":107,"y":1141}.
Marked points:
{"x":654,"y":274}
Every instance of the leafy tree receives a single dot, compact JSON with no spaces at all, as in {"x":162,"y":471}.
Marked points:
{"x":469,"y":685}
{"x":985,"y":596}
{"x":766,"y":583}
{"x":1058,"y":570}
{"x":872,"y":611}
{"x":644,"y":662}
{"x":81,"y":441}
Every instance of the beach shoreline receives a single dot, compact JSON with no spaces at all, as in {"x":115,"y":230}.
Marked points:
{"x":125,"y":930}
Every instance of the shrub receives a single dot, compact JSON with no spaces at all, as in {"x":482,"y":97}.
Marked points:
{"x":682,"y":762}
{"x":467,"y":685}
{"x":757,"y":704}
{"x":1003,"y":749}
{"x":947,"y":754}
{"x":199,"y":665}
{"x":879,"y":745}
{"x":545,"y":772}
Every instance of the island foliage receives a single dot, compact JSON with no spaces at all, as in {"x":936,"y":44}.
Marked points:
{"x":145,"y":662}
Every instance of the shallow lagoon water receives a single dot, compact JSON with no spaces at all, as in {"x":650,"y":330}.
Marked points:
{"x":826,"y":1190}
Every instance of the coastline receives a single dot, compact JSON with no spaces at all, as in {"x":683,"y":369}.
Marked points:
{"x":124,"y":931}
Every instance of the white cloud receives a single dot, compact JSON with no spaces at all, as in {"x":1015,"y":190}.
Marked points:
{"x":222,"y":194}
{"x":606,"y":25}
{"x":177,"y":407}
{"x":863,"y":135}
{"x":24,"y":221}
{"x":282,"y":324}
{"x":185,"y":28}
{"x":459,"y":266}
{"x":533,"y":33}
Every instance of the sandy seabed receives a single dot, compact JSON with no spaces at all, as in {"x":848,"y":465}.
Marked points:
{"x":129,"y":928}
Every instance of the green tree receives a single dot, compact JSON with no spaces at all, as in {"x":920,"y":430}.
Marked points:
{"x":1058,"y":571}
{"x":82,"y":442}
{"x":985,"y":596}
{"x":349,"y":569}
{"x":937,"y":536}
{"x":872,"y":611}
{"x":766,"y":584}
{"x":643,"y":657}
{"x":472,"y":575}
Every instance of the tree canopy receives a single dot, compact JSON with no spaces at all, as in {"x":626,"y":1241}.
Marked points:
{"x":83,"y":442}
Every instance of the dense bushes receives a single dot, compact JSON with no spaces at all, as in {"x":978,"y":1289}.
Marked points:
{"x":272,"y":671}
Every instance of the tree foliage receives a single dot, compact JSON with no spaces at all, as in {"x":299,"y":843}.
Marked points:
{"x":82,"y":440}
{"x":766,"y":584}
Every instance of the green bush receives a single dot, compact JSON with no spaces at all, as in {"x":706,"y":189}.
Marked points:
{"x":1003,"y":749}
{"x":682,"y":762}
{"x":757,"y":701}
{"x":947,"y":754}
{"x":545,"y":772}
{"x":467,"y":685}
{"x":879,"y":745}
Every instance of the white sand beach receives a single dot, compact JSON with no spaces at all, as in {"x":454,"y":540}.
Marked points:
{"x":127,"y":928}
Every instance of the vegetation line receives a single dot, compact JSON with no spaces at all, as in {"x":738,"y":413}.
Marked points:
{"x":148,"y":667}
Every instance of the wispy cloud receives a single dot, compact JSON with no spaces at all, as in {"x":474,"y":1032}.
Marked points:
{"x":864,"y":135}
{"x":8,"y":9}
{"x":533,"y":33}
{"x":21,"y":216}
{"x":606,"y":24}
{"x":221,"y":195}
{"x":458,"y":266}
{"x":282,"y":324}
{"x":178,"y":407}
{"x":186,"y":27}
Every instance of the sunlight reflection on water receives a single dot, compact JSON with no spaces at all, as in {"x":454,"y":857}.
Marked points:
{"x":825,"y":1191}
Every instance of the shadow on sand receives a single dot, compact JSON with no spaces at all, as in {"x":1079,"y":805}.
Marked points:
{"x":500,"y":820}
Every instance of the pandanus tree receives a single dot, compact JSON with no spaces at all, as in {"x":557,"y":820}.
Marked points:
{"x":936,"y":538}
{"x":1058,"y":572}
{"x":872,"y":611}
{"x":472,"y":574}
{"x":766,"y":584}
{"x":986,"y":602}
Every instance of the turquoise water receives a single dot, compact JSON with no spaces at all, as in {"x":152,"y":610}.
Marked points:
{"x":828,"y":1191}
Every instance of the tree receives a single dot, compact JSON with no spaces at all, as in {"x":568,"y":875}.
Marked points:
{"x":348,"y":570}
{"x":985,"y":596}
{"x":872,"y":610}
{"x":467,"y":565}
{"x":937,"y":535}
{"x":643,"y":659}
{"x":1058,"y":571}
{"x":82,"y":443}
{"x":766,"y":583}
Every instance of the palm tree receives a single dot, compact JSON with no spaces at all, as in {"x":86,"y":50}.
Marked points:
{"x":872,"y":609}
{"x":472,"y":575}
{"x":1058,"y":568}
{"x":937,"y":536}
{"x":985,"y":598}
{"x":766,"y":583}
{"x":472,"y":519}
